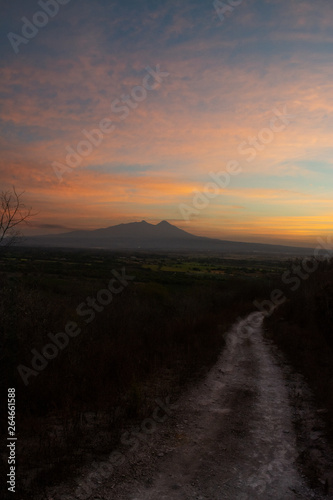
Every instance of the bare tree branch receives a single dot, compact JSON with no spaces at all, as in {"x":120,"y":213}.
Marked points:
{"x":12,"y":213}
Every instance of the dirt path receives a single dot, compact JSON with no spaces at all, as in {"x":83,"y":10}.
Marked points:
{"x":231,"y":437}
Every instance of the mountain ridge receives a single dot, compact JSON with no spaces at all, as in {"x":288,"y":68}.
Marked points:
{"x":146,"y":236}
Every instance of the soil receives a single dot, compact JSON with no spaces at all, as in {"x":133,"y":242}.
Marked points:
{"x":248,"y":430}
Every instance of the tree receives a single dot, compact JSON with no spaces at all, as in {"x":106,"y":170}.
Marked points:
{"x":12,"y":213}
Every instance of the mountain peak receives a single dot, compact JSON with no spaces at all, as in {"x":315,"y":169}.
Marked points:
{"x":162,"y":236}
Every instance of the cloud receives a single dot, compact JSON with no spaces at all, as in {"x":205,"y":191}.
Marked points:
{"x":225,"y":82}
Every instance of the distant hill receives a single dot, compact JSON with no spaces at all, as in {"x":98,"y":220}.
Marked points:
{"x":145,"y":236}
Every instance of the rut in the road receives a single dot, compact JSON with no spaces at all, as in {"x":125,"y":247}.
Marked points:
{"x":238,"y":440}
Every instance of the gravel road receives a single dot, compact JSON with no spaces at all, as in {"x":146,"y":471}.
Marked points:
{"x":229,"y":437}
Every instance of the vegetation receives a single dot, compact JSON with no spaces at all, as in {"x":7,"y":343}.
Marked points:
{"x":162,"y":330}
{"x":13,"y":213}
{"x":303,"y":328}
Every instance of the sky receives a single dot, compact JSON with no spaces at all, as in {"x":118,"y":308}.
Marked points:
{"x":215,"y":116}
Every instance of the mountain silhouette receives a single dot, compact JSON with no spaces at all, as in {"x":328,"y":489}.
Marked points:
{"x":145,"y":236}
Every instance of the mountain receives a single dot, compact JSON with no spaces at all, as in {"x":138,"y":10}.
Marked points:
{"x":133,"y":230}
{"x":145,"y":236}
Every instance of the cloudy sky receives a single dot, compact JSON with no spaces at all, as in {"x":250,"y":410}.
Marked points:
{"x":214,"y":116}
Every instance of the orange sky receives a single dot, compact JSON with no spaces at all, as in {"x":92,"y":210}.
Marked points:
{"x":224,"y":85}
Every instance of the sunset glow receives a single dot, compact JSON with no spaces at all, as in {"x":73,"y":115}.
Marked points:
{"x":165,"y":94}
